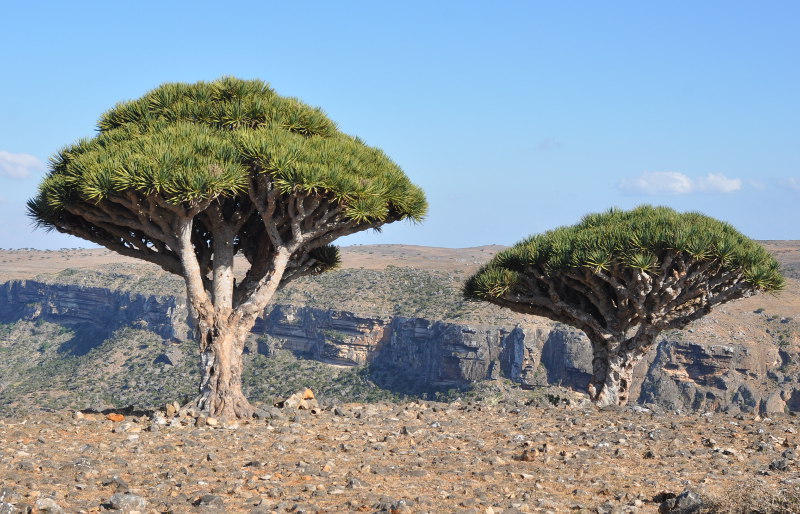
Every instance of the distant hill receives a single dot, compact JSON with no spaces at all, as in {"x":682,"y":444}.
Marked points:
{"x":27,"y":263}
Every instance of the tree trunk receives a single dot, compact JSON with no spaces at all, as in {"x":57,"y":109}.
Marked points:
{"x":612,"y":369}
{"x":221,"y":349}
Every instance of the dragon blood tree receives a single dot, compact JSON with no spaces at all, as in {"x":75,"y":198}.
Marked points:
{"x":624,"y":276}
{"x":191,"y":175}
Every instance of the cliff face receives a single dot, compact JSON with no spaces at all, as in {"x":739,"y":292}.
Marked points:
{"x":681,"y":372}
{"x":96,"y":312}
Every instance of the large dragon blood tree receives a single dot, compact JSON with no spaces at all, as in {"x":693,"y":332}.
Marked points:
{"x":624,"y":276}
{"x":191,"y":175}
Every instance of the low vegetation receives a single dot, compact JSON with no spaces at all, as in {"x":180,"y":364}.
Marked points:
{"x":136,"y":367}
{"x":393,"y":291}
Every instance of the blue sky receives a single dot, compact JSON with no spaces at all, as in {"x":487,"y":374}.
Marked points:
{"x":515,"y":117}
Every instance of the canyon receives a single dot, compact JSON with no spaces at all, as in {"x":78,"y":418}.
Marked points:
{"x":701,"y":368}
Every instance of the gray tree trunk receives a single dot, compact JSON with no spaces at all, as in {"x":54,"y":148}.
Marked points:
{"x":612,"y":369}
{"x":221,"y":350}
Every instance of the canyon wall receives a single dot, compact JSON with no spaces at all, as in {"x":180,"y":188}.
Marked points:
{"x":680,"y":372}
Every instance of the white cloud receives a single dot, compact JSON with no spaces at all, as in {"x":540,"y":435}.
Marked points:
{"x":676,"y":183}
{"x":718,"y":183}
{"x":657,"y":182}
{"x":792,"y":182}
{"x":18,"y":165}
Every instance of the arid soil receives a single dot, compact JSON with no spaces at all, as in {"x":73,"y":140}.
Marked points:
{"x":517,"y":454}
{"x":25,"y":264}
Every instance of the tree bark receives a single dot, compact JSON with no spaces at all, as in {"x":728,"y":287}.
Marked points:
{"x":612,"y":369}
{"x":221,"y":348}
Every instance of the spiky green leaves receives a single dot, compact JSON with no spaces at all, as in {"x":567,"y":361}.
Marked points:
{"x":361,"y":178}
{"x":227,"y":103}
{"x":638,"y":239}
{"x":193,"y":142}
{"x":490,"y":282}
{"x":181,"y":162}
{"x":327,"y":257}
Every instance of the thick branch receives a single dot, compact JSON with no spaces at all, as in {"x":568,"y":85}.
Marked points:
{"x":192,"y":275}
{"x":222,"y":272}
{"x":80,"y":228}
{"x":97,"y":223}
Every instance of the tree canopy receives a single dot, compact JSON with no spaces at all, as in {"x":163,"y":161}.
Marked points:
{"x":185,"y":144}
{"x":637,"y":240}
{"x":624,"y":276}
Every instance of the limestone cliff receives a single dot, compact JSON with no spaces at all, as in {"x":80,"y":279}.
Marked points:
{"x":686,"y":370}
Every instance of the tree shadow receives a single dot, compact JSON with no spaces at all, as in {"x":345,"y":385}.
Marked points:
{"x":85,"y":338}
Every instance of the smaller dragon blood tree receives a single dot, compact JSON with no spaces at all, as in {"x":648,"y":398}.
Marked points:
{"x":623,"y":277}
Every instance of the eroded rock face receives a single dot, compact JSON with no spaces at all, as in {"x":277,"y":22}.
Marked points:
{"x":693,"y":375}
{"x":683,"y":371}
{"x":332,"y":336}
{"x":428,"y":352}
{"x":99,"y":310}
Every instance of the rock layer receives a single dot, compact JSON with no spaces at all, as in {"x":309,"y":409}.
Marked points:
{"x":683,"y":371}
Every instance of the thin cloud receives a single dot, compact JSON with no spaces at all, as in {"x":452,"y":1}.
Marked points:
{"x":548,"y":144}
{"x":19,"y":165}
{"x":792,"y":183}
{"x":676,"y":183}
{"x":718,"y":183}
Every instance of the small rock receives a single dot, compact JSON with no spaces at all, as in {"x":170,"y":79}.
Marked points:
{"x":8,"y":494}
{"x":303,"y":400}
{"x":396,"y":507}
{"x":120,"y":484}
{"x":209,"y":500}
{"x":115,"y":417}
{"x":605,"y":508}
{"x":688,"y":502}
{"x":26,"y":465}
{"x":779,"y":465}
{"x":354,"y":483}
{"x":128,"y":503}
{"x":48,"y":505}
{"x":261,"y":414}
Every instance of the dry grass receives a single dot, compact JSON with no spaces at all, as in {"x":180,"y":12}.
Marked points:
{"x":755,"y":497}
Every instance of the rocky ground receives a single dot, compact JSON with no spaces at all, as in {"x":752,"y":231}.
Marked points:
{"x":523,"y":452}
